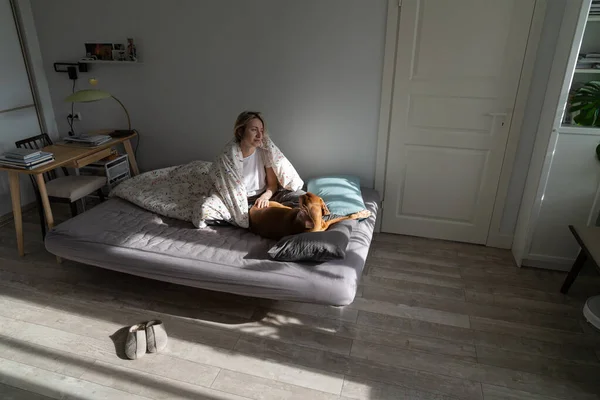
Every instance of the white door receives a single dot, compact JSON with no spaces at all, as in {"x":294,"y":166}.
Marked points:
{"x":457,"y":70}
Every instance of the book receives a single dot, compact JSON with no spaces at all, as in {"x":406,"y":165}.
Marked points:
{"x":25,"y":163}
{"x":587,"y":66}
{"x":92,"y":140}
{"x":86,"y":143}
{"x":22,"y":154}
{"x":42,"y":155}
{"x":28,"y":167}
{"x":41,"y":164}
{"x":26,"y":158}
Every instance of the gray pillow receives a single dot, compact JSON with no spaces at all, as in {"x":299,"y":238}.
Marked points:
{"x":315,"y":246}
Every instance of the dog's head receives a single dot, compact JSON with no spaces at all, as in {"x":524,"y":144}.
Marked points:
{"x":312,"y":210}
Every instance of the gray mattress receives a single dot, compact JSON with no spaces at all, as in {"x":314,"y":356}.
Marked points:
{"x":120,"y":236}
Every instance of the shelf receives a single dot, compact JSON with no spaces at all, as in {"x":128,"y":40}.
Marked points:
{"x":579,"y":130}
{"x":107,"y":62}
{"x":587,"y":70}
{"x":593,"y":18}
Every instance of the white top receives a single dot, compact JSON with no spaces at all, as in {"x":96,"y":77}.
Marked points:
{"x":255,"y":176}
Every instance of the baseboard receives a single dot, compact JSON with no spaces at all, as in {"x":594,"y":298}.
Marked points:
{"x":548,"y":262}
{"x":8,"y":218}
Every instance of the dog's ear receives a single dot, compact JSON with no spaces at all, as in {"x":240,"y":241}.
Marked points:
{"x":304,"y":218}
{"x":308,"y":223}
{"x":324,"y":208}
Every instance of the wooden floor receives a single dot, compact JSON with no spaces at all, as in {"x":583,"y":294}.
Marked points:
{"x":432,"y":320}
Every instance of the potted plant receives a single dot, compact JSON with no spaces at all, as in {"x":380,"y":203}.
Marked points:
{"x":586,"y":104}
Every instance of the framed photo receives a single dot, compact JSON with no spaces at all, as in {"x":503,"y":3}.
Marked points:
{"x":118,"y":52}
{"x":99,"y":51}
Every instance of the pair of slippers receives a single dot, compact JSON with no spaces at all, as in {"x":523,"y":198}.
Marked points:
{"x":149,"y":336}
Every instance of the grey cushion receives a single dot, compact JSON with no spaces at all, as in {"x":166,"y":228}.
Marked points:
{"x":74,"y":187}
{"x":315,"y":246}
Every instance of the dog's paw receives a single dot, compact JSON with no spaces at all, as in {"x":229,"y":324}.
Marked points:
{"x":362,"y":214}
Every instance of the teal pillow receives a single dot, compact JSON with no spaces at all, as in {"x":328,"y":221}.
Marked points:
{"x":341,"y":193}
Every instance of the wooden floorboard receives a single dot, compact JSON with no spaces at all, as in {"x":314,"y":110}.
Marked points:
{"x":13,"y":393}
{"x":432,"y":320}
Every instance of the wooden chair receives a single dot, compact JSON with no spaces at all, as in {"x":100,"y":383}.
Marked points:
{"x":61,"y":189}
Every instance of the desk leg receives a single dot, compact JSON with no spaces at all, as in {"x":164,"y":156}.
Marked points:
{"x":132,"y":161}
{"x":15,"y":195}
{"x":39,"y":178}
{"x":577,"y":265}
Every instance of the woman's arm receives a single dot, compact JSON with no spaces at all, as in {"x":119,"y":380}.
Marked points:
{"x":263,"y":200}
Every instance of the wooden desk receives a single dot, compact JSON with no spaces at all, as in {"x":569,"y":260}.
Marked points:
{"x":65,"y":155}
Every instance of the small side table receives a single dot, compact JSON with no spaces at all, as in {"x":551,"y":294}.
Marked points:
{"x":588,"y":238}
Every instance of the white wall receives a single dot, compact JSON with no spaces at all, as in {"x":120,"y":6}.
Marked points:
{"x":313,"y":67}
{"x":570,"y":198}
{"x":543,"y":64}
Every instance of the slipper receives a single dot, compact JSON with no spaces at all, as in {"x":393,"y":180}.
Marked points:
{"x":156,"y":336}
{"x":135,"y":344}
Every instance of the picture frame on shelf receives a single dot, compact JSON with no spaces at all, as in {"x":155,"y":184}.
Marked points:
{"x":99,"y":51}
{"x":110,"y":52}
{"x":118,"y":52}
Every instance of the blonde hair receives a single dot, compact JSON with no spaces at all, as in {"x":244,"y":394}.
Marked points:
{"x":242,"y":120}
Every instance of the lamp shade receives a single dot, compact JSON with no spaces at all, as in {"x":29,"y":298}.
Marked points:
{"x":87,"y":95}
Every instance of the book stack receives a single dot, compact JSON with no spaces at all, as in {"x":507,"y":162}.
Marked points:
{"x":88,"y":140}
{"x":595,"y":7}
{"x":25,"y":158}
{"x":588,"y":60}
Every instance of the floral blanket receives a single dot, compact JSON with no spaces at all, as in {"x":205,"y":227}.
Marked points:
{"x":172,"y":192}
{"x":200,"y":191}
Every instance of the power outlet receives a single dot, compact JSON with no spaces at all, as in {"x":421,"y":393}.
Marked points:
{"x":76,"y":117}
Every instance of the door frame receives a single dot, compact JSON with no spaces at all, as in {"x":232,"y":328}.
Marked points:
{"x":495,"y":237}
{"x":561,"y":74}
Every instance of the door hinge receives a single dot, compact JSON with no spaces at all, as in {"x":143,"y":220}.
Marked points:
{"x":399,"y":3}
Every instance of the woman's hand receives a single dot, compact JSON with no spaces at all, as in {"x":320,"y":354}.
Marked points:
{"x":262,"y":202}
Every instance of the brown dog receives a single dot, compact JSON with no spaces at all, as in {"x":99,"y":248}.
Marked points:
{"x":277,"y":220}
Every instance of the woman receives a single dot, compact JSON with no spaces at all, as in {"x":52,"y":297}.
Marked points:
{"x":250,"y":169}
{"x":259,"y":178}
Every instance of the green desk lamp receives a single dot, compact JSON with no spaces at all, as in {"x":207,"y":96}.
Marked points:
{"x":89,"y":95}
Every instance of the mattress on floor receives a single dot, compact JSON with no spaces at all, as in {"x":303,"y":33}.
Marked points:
{"x":120,"y":236}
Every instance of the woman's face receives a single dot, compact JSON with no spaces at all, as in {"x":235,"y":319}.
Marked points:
{"x":253,"y":134}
